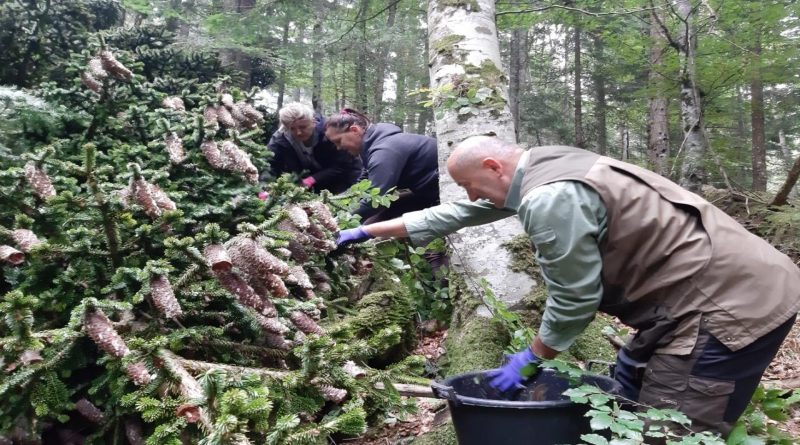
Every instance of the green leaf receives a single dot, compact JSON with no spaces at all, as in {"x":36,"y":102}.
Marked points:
{"x":601,"y":422}
{"x":594,"y":439}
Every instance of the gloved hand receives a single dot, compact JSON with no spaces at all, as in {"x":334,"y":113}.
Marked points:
{"x":511,"y":374}
{"x":263,"y":196}
{"x":308,"y":181}
{"x":350,"y":236}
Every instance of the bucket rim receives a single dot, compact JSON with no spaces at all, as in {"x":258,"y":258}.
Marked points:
{"x":474,"y":401}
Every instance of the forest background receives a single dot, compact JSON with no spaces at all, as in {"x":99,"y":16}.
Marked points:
{"x":704,"y":92}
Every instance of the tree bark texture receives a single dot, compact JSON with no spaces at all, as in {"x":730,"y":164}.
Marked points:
{"x":601,"y":107}
{"x":759,"y":155}
{"x":465,"y":51}
{"x":580,"y":140}
{"x":781,"y":198}
{"x":657,"y":104}
{"x":518,"y":64}
{"x":361,"y":60}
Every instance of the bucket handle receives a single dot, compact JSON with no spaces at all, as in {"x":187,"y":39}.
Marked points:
{"x":445,"y":392}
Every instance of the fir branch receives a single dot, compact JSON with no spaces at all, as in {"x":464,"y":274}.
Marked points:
{"x":200,"y":366}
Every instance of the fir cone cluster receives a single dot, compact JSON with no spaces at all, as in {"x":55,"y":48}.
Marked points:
{"x":263,"y":269}
{"x":100,"y":67}
{"x":11,"y":255}
{"x":302,"y":223}
{"x":239,"y":115}
{"x":164,"y":297}
{"x":320,"y":212}
{"x":174,"y":146}
{"x":25,"y":239}
{"x":231,"y":158}
{"x":271,"y":324}
{"x":150,"y":196}
{"x":242,"y":291}
{"x":39,"y":181}
{"x":331,"y":394}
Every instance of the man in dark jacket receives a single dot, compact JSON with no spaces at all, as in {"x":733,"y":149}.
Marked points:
{"x":300,"y":147}
{"x":391,"y":159}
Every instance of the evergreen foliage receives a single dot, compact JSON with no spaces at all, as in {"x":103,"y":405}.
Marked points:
{"x":148,"y":292}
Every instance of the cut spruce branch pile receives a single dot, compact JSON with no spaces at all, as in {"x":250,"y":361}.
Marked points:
{"x":149,"y":295}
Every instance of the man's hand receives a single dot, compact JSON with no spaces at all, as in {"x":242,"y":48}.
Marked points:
{"x":308,"y":182}
{"x":512,"y":373}
{"x":350,"y":236}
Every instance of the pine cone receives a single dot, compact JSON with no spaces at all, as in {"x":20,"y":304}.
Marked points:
{"x":227,"y":100}
{"x":276,"y":285}
{"x":217,"y":257}
{"x":99,"y":328}
{"x":91,"y":83}
{"x":96,"y":69}
{"x":90,"y":412}
{"x":317,"y":232}
{"x":115,"y":67}
{"x":163,"y":200}
{"x":212,"y":154}
{"x":248,"y":255}
{"x":133,"y":432}
{"x":39,"y":181}
{"x":174,"y":103}
{"x":239,"y":288}
{"x":299,"y":277}
{"x":210,"y":117}
{"x":276,"y":341}
{"x":283,"y":252}
{"x":11,"y":255}
{"x":239,"y":116}
{"x":224,"y":117}
{"x":174,"y":146}
{"x":325,"y":245}
{"x":138,"y":373}
{"x":319,"y":211}
{"x":25,"y":239}
{"x":238,"y":160}
{"x":331,"y":394}
{"x":251,"y":112}
{"x":305,"y":323}
{"x":298,"y":217}
{"x":298,"y":252}
{"x":271,"y":324}
{"x":141,"y":193}
{"x":321,"y":280}
{"x":163,"y":296}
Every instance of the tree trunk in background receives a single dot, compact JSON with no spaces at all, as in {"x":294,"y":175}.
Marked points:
{"x":601,"y":107}
{"x":580,"y":140}
{"x":782,"y":196}
{"x":360,"y":102}
{"x":657,"y":114}
{"x":757,"y":121}
{"x":399,"y":111}
{"x":381,"y":60}
{"x":235,"y":57}
{"x":518,"y":65}
{"x":463,"y":40}
{"x":282,"y":67}
{"x":316,"y":64}
{"x":695,"y":147}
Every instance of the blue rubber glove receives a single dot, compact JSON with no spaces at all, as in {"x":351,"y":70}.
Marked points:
{"x":511,"y":374}
{"x":350,"y":236}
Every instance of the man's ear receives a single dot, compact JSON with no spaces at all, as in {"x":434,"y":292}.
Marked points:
{"x":492,"y":164}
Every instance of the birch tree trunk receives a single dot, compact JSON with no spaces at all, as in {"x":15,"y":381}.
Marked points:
{"x":695,"y":144}
{"x":465,"y":55}
{"x":518,"y":63}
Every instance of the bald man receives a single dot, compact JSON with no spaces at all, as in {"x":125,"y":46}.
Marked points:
{"x":710,"y":301}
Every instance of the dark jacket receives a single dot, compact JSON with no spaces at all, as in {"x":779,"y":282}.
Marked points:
{"x":336,"y":170}
{"x":392,"y":158}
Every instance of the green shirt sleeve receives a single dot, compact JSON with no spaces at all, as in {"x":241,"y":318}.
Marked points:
{"x":566,"y":221}
{"x":424,"y":226}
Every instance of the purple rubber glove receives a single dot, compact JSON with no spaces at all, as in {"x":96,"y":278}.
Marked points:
{"x":350,"y":236}
{"x":308,"y":182}
{"x":511,"y":374}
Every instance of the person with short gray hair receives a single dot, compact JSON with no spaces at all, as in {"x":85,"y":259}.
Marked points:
{"x":300,"y":148}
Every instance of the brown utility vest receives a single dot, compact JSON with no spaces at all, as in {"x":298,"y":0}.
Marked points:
{"x":671,"y":258}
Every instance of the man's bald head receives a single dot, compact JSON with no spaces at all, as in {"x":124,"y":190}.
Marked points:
{"x":484,"y":166}
{"x":470,"y":153}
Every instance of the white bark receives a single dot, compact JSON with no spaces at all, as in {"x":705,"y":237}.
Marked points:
{"x":476,"y":251}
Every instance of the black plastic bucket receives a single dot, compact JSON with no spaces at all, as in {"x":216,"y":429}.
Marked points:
{"x":539,"y":414}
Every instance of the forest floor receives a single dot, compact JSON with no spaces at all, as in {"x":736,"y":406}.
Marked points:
{"x":784,"y":372}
